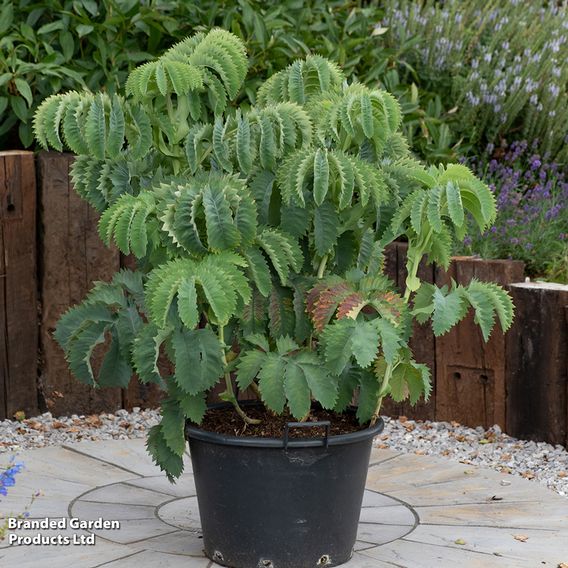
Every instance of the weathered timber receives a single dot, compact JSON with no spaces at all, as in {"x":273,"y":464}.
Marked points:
{"x":72,"y":257}
{"x":470,"y":374}
{"x":18,"y":285}
{"x":537,"y":363}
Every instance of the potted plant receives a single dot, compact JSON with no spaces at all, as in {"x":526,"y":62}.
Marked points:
{"x":259,"y":233}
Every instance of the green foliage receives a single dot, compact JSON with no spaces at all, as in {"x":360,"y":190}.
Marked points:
{"x":109,"y":310}
{"x":447,"y":306}
{"x":259,"y":234}
{"x":289,"y":375}
{"x":66,"y":45}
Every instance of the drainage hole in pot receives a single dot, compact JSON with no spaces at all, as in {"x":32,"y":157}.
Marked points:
{"x":217,"y":556}
{"x":324,"y":560}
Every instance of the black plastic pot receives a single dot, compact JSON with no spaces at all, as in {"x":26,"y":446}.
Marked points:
{"x":280,"y":503}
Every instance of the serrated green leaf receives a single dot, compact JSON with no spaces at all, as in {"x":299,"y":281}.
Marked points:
{"x":336,"y":339}
{"x":390,"y":339}
{"x":259,"y":340}
{"x":168,"y":461}
{"x":503,"y":305}
{"x":221,"y":231}
{"x":281,"y":312}
{"x":449,"y":309}
{"x":187,"y":303}
{"x":347,"y":383}
{"x":482,"y":302}
{"x":73,"y":320}
{"x":326,"y":224}
{"x":193,"y":406}
{"x":172,"y":426}
{"x":369,"y":389}
{"x":295,"y":220}
{"x":116,"y":128}
{"x":221,"y":299}
{"x":320,"y":381}
{"x":248,"y":367}
{"x":433,"y":209}
{"x":80,"y":349}
{"x":198,"y":359}
{"x":259,"y":269}
{"x":455,"y":206}
{"x":146,"y":350}
{"x":409,"y":380}
{"x":127,"y":325}
{"x":297,"y":390}
{"x":423,"y":302}
{"x":95,"y":128}
{"x":441,"y":248}
{"x":115,"y":370}
{"x":285,"y":344}
{"x":321,"y":176}
{"x":365,"y":343}
{"x":426,"y":386}
{"x":271,"y":382}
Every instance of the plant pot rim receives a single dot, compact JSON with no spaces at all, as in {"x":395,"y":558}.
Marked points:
{"x":193,"y":431}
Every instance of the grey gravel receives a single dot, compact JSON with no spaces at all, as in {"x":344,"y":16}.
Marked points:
{"x":490,"y":448}
{"x":45,"y":430}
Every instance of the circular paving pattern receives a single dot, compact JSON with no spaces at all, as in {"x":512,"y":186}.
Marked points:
{"x":459,"y":515}
{"x":150,"y":512}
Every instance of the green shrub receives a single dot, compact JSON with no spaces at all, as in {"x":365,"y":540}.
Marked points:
{"x":260,"y":235}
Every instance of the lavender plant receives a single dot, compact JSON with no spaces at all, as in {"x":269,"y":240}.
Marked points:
{"x":532,"y":224}
{"x":501,"y":66}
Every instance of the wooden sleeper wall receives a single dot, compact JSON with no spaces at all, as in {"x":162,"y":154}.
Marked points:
{"x":18,"y":285}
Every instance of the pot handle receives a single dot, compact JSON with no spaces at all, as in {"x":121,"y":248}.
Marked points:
{"x":323,"y":424}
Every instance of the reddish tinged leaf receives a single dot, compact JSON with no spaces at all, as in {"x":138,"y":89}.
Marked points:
{"x":347,"y":305}
{"x":327,"y":303}
{"x":390,"y":304}
{"x":313,"y":295}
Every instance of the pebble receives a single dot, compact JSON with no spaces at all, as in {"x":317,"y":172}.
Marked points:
{"x":491,"y":448}
{"x":537,"y":461}
{"x":45,"y":430}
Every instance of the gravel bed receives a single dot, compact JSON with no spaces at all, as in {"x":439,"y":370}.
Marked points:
{"x":491,"y":448}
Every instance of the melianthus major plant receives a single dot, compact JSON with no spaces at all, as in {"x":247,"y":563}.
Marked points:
{"x":259,"y":235}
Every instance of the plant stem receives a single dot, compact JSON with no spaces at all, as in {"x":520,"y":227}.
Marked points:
{"x":254,"y":387}
{"x":384,"y":385}
{"x":412,"y":274}
{"x":322,"y":265}
{"x":229,"y":394}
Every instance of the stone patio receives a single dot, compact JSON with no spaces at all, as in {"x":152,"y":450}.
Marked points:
{"x":418,"y":512}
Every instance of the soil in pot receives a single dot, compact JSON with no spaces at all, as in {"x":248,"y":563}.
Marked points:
{"x":226,"y":422}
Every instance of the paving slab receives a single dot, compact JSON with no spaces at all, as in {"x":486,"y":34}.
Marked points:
{"x":418,"y":512}
{"x":131,"y":457}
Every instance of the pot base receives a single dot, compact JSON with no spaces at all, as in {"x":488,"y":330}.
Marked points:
{"x":266,"y":506}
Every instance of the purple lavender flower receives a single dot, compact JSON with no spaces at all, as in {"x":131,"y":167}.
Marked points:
{"x":532,"y":202}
